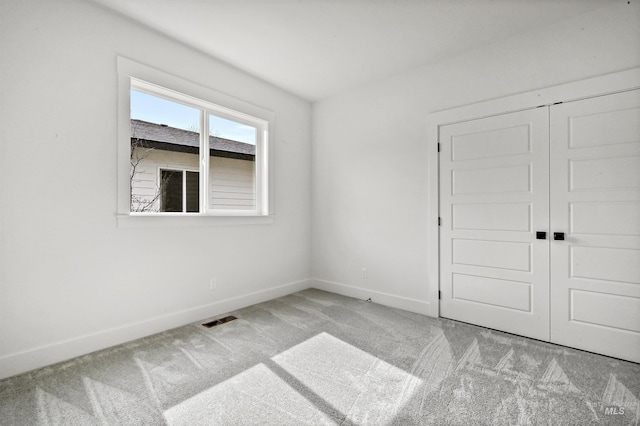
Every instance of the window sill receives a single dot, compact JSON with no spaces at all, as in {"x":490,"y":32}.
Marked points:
{"x":184,"y":221}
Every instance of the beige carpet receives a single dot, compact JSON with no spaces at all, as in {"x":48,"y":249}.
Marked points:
{"x":317,"y":358}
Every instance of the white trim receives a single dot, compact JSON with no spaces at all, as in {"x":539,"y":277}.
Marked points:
{"x":204,"y":164}
{"x":186,"y":220}
{"x":568,"y":92}
{"x":433,"y":230}
{"x":392,"y":300}
{"x":21,"y":362}
{"x":129,"y":68}
{"x":592,"y":87}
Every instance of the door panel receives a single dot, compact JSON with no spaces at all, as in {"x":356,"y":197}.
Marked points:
{"x":492,"y":254}
{"x":492,"y":291}
{"x":492,"y":216}
{"x":595,"y":199}
{"x":604,"y":173}
{"x":492,"y":143}
{"x":492,"y":180}
{"x":494,"y":186}
{"x":611,"y":311}
{"x":622,"y":218}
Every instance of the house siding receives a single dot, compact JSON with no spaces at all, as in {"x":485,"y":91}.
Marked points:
{"x":231,"y":184}
{"x":231,"y":181}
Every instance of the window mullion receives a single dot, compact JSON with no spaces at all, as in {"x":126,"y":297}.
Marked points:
{"x":184,"y":191}
{"x":259,"y":170}
{"x":204,"y":160}
{"x":261,"y":173}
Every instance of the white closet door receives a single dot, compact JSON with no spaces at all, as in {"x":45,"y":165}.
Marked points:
{"x":494,"y":195}
{"x":595,"y":201}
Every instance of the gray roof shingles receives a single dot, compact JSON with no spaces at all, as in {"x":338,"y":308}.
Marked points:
{"x":170,"y":135}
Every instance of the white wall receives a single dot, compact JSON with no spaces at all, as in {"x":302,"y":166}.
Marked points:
{"x":71,"y":280}
{"x":369,"y":156}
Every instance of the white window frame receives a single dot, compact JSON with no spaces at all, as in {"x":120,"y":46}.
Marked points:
{"x":132,"y":75}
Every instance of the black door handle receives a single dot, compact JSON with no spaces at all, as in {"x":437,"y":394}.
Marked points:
{"x":541,"y":235}
{"x":558,"y":236}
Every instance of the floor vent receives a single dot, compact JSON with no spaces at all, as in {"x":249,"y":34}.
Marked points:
{"x":219,"y":321}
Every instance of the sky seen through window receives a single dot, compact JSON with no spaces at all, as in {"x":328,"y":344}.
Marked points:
{"x":160,"y":111}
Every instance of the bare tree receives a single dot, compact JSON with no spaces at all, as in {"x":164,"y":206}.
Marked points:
{"x":139,"y":151}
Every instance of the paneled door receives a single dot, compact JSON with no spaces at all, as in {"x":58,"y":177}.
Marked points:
{"x":595,"y":202}
{"x":494,"y":195}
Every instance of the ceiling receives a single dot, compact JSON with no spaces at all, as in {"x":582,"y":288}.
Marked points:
{"x":318,"y":48}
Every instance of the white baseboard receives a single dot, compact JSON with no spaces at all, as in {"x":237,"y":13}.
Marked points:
{"x":20,"y":362}
{"x":404,"y":303}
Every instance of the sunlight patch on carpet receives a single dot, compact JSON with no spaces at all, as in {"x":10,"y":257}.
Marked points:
{"x":322,"y":380}
{"x":255,"y":396}
{"x":362,"y":387}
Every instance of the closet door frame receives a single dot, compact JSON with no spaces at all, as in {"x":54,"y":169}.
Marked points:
{"x":597,"y":86}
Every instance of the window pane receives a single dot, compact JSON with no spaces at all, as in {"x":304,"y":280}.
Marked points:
{"x":165,"y":149}
{"x":163,"y":134}
{"x":232,"y":165}
{"x":193,"y":192}
{"x":171,"y":190}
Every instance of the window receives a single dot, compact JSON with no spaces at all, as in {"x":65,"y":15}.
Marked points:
{"x":189,"y":155}
{"x":179,"y":191}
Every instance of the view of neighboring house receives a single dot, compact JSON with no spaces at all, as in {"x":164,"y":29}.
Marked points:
{"x":165,"y":176}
